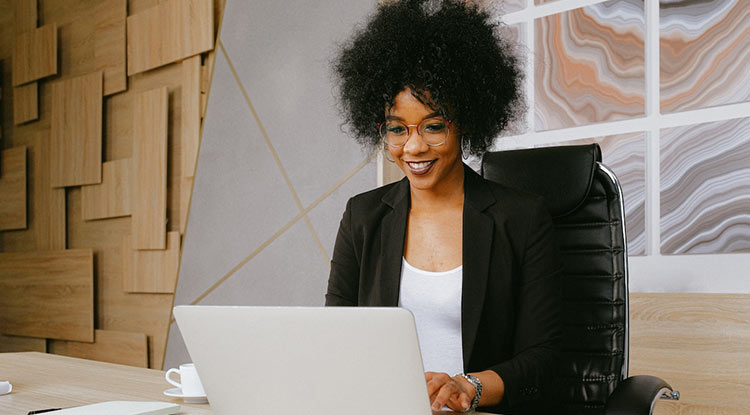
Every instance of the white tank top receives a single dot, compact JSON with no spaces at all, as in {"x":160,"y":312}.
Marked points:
{"x":434,"y":298}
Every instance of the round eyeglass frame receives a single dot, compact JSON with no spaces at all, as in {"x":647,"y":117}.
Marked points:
{"x":408,"y":129}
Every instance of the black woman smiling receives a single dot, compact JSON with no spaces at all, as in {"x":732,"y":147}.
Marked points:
{"x":474,"y":261}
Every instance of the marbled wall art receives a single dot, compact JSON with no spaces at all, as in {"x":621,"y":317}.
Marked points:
{"x":590,"y":65}
{"x":705,"y":188}
{"x":704,"y":58}
{"x":625,"y":155}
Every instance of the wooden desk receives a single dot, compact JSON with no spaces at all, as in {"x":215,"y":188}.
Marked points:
{"x":43,"y":381}
{"x":51,"y":381}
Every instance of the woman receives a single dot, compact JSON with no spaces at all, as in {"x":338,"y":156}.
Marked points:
{"x":475,"y":262}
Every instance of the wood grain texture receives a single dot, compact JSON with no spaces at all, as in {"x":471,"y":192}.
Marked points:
{"x":149,"y":198}
{"x":173,"y":30}
{"x":191,"y":116}
{"x":22,"y":344}
{"x":121,"y":347}
{"x":77,"y":131}
{"x":25,"y":17}
{"x":109,"y":44}
{"x":150,"y":271}
{"x":35,"y":54}
{"x":48,"y":294}
{"x":13,"y":188}
{"x":48,"y":213}
{"x":699,"y":343}
{"x":110,"y":198}
{"x":52,"y":381}
{"x":25,"y":103}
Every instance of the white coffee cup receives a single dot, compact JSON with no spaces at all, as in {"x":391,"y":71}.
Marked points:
{"x":190,"y":383}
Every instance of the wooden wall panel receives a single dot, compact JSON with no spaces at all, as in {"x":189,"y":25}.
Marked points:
{"x":121,"y":347}
{"x":13,"y":189}
{"x":699,"y":343}
{"x":173,"y":30}
{"x":150,"y":271}
{"x":109,"y":44}
{"x":48,"y":213}
{"x":25,"y":17}
{"x":48,"y":294}
{"x":77,"y":131}
{"x":9,"y":344}
{"x":191,"y":116}
{"x":35,"y":54}
{"x":111,"y":198}
{"x":149,"y":197}
{"x":25,"y":103}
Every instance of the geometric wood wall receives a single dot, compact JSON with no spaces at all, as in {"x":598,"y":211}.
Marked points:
{"x":85,"y":151}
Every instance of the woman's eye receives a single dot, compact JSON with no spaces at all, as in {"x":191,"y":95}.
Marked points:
{"x":396,"y":129}
{"x":435,"y":127}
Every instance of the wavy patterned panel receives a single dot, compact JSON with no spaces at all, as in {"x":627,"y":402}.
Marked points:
{"x":705,"y":188}
{"x":704,"y":55}
{"x":625,"y":154}
{"x":590,"y":65}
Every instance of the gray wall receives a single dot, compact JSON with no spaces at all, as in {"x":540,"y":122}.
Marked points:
{"x":274,"y":169}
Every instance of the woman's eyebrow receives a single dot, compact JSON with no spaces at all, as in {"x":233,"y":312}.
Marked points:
{"x":394,"y":117}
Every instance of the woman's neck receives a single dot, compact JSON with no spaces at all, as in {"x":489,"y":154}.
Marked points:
{"x":450,"y":191}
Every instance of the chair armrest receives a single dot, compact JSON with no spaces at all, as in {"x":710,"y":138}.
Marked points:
{"x":636,"y":395}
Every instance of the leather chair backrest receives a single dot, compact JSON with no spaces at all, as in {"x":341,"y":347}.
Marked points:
{"x":585,"y":201}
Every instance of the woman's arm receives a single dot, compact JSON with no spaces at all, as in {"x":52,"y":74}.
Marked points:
{"x":536,"y":341}
{"x":343,"y":280}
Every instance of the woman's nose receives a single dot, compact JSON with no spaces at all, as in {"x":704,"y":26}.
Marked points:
{"x":415,"y":144}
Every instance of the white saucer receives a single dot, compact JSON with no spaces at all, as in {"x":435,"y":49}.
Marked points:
{"x":177,"y":393}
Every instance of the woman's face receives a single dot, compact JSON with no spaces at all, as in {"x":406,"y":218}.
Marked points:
{"x":427,"y":167}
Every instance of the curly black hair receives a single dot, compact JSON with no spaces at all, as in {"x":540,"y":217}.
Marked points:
{"x":449,"y":53}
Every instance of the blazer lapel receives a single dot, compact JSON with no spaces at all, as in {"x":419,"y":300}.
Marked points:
{"x":393,"y":233}
{"x":477,"y":245}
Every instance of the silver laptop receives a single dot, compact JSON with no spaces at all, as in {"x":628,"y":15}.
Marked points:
{"x":306,"y":360}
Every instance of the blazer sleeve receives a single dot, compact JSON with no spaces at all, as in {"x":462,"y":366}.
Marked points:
{"x":343,"y":280}
{"x":529,"y":374}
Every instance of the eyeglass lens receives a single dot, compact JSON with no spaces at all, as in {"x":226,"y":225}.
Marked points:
{"x":434,"y":131}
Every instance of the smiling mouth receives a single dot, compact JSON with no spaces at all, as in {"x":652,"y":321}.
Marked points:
{"x":420,"y":167}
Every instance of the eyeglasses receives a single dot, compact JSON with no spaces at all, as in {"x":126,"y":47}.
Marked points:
{"x":434,"y":131}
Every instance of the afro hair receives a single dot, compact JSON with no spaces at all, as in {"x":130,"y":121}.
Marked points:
{"x":449,"y":53}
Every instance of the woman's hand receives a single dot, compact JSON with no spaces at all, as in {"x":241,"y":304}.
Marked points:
{"x":455,"y":392}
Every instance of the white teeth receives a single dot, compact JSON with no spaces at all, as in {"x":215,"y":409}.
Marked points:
{"x":419,"y":165}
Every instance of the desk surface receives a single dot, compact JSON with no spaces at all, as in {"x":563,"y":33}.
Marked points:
{"x":43,"y":381}
{"x":50,"y":381}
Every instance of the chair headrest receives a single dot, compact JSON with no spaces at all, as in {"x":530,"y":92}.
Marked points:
{"x":562,"y":175}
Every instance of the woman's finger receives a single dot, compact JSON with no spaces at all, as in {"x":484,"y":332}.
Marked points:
{"x":446,"y":394}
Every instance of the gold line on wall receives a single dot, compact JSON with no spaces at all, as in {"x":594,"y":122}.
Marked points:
{"x":275,"y":155}
{"x":280,"y":232}
{"x":149,"y":168}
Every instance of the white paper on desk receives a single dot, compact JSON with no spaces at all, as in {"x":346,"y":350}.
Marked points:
{"x":123,"y":408}
{"x":5,"y":387}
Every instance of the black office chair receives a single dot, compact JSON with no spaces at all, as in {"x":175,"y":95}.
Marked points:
{"x":586,"y":203}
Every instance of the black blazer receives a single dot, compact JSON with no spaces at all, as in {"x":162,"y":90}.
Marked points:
{"x":510,"y":303}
